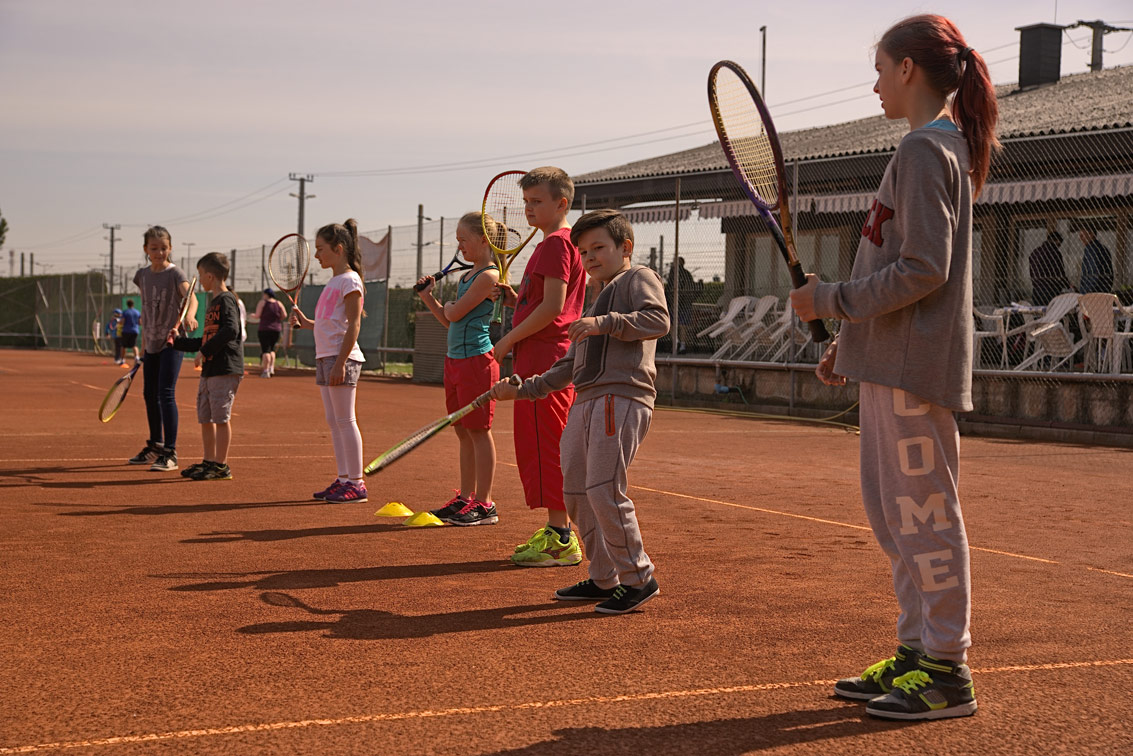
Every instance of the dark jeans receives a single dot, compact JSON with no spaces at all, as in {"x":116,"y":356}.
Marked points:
{"x":160,"y":371}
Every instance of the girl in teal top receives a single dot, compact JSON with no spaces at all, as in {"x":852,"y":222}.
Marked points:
{"x":470,"y":369}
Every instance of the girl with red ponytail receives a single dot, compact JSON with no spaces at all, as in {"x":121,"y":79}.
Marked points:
{"x":906,"y":336}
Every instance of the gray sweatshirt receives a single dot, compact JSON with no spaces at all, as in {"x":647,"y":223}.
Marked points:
{"x":631,"y":314}
{"x":907,"y":308}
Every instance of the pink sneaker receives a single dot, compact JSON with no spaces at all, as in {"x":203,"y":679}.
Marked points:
{"x":349,"y":492}
{"x":332,"y":488}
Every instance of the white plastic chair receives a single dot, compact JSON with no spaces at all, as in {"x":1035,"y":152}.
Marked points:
{"x":771,"y":342}
{"x":736,"y":307}
{"x":1106,"y":344}
{"x":1050,"y":335}
{"x":993,"y":328}
{"x":737,"y":337}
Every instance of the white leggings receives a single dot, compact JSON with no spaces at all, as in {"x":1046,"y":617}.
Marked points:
{"x":338,"y":402}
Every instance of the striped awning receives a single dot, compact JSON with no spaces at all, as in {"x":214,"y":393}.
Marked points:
{"x":655,"y":214}
{"x":1007,"y":192}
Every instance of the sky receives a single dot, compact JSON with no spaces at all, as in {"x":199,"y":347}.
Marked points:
{"x":192,"y":115}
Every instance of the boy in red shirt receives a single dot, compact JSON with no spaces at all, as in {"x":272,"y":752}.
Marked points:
{"x":549,"y":299}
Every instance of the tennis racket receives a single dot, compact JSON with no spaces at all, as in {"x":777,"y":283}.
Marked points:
{"x":188,"y":300}
{"x":455,"y":264}
{"x":287,"y":265}
{"x":430,"y":430}
{"x":751,"y":146}
{"x":116,"y":395}
{"x":504,"y":222}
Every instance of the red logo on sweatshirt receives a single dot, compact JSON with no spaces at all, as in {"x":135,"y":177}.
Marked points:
{"x":878,"y":214}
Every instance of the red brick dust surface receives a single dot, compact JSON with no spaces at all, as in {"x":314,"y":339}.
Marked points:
{"x":144,"y":613}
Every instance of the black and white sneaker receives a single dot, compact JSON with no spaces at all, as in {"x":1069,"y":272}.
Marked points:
{"x":475,"y":512}
{"x":451,"y":507}
{"x":936,"y":689}
{"x":585,"y":590}
{"x":166,"y":461}
{"x":878,"y":678}
{"x":626,"y":599}
{"x":146,"y":456}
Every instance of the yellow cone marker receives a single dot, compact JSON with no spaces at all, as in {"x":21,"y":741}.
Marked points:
{"x":394,"y":509}
{"x":423,"y":520}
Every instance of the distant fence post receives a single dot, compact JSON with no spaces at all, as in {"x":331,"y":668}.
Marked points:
{"x":674,"y":310}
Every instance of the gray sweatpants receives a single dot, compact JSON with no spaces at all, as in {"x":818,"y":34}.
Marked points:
{"x":909,"y":468}
{"x":598,"y":444}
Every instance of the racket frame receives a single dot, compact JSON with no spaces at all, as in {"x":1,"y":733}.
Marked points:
{"x":421,"y":435}
{"x":781,"y":231}
{"x":504,"y":257}
{"x":292,"y":294}
{"x":106,"y":415}
{"x":455,"y":264}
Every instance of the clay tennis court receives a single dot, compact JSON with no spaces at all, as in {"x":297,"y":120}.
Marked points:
{"x":143,"y":613}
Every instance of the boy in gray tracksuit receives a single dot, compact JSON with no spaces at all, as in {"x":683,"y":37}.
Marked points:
{"x":611,"y":364}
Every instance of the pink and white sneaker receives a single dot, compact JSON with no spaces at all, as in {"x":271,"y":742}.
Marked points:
{"x":349,"y":492}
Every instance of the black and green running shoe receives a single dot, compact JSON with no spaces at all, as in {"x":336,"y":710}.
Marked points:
{"x":936,"y":689}
{"x":877,"y":680}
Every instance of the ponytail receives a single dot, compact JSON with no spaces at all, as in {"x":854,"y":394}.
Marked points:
{"x":976,"y":112}
{"x":936,"y":45}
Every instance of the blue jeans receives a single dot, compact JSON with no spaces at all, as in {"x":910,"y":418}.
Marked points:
{"x":160,"y":371}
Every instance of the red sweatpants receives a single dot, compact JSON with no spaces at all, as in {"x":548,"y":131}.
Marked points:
{"x":538,"y":427}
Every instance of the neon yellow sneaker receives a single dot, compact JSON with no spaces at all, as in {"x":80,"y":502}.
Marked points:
{"x":546,"y":550}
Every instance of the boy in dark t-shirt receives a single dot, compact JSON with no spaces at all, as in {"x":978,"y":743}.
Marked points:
{"x":221,"y":357}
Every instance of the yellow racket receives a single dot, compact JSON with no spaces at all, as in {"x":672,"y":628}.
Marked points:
{"x":504,"y":222}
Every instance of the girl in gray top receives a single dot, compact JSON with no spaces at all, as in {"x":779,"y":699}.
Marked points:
{"x":906,"y":335}
{"x":163,"y":286}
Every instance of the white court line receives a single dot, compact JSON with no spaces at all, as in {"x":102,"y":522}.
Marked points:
{"x":473,"y":710}
{"x":119,"y":459}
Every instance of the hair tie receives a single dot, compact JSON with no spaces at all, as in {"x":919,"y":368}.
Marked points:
{"x":965,"y":53}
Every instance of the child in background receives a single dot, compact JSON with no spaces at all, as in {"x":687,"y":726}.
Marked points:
{"x":549,"y":299}
{"x":128,"y":329}
{"x":163,"y":286}
{"x":907,"y":336}
{"x":470,"y":369}
{"x":221,"y":356}
{"x":114,"y":333}
{"x":338,"y":360}
{"x":611,"y":364}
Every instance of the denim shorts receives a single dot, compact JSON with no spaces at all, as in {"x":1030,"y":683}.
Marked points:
{"x":324,"y":364}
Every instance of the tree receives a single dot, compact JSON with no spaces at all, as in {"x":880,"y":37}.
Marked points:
{"x":3,"y":228}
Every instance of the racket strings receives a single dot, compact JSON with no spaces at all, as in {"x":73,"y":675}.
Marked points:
{"x":287,"y":264}
{"x":504,"y":206}
{"x":747,"y":135}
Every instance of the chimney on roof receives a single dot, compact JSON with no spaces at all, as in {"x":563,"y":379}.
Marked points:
{"x":1040,"y":54}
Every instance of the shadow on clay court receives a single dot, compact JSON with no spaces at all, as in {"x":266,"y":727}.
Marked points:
{"x":728,"y":737}
{"x":297,"y":579}
{"x":374,"y":624}
{"x":31,"y":475}
{"x":170,"y":509}
{"x":288,"y":535}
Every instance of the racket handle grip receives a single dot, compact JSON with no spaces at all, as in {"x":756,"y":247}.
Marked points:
{"x":818,"y":332}
{"x":436,"y":277}
{"x":515,"y":380}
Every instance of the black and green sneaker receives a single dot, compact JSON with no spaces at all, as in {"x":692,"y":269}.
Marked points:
{"x":626,"y":599}
{"x":936,"y":689}
{"x":877,"y":680}
{"x":192,"y":470}
{"x":214,"y":471}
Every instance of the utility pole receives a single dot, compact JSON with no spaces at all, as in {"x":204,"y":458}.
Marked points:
{"x":112,"y":228}
{"x":21,"y":265}
{"x":1100,"y":28}
{"x":233,"y":270}
{"x":302,"y":196}
{"x":188,"y":253}
{"x":31,"y":264}
{"x":11,"y":263}
{"x":763,"y":65}
{"x":420,"y":240}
